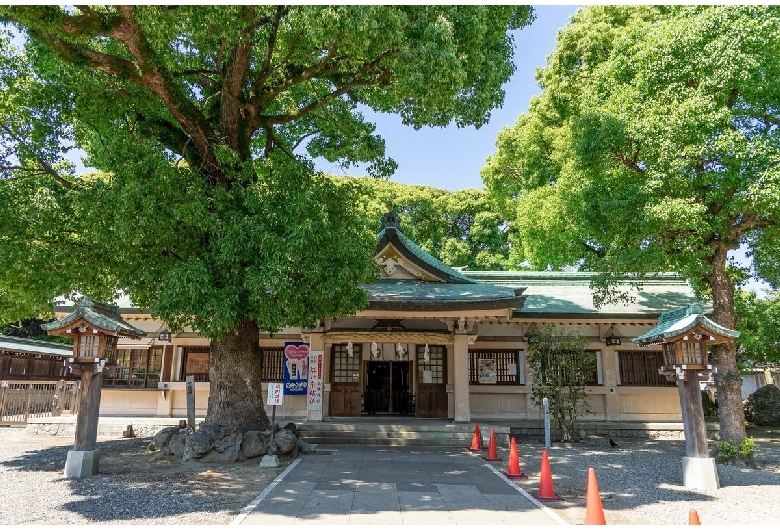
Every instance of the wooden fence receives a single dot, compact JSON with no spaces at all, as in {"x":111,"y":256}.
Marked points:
{"x":21,"y":400}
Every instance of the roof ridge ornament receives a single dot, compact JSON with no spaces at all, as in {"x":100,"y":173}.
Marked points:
{"x":390,"y":220}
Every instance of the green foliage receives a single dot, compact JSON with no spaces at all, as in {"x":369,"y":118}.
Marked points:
{"x":30,"y":328}
{"x":460,"y":228}
{"x":654,"y":143}
{"x":560,"y":368}
{"x":654,"y":146}
{"x":747,"y":448}
{"x":758,"y":321}
{"x":726,"y":451}
{"x":201,"y":122}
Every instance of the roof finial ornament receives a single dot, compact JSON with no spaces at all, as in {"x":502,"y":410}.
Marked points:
{"x":390,"y":219}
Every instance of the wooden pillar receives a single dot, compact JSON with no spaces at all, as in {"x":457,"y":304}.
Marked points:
{"x":461,"y":377}
{"x":167,"y":363}
{"x":693,"y":416}
{"x":89,"y":408}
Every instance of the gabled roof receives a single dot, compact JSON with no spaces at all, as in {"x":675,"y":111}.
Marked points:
{"x":392,"y":236}
{"x":99,"y":315}
{"x":413,"y":280}
{"x":680,"y":321}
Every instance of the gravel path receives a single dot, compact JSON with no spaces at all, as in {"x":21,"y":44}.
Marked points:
{"x":640,"y":483}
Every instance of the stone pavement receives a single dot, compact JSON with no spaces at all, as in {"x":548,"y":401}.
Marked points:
{"x":373,"y":485}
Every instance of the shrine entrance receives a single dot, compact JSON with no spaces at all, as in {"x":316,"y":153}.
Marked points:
{"x":388,"y":388}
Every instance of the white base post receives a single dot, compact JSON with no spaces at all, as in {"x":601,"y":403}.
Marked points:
{"x":700,"y":473}
{"x":270,"y":461}
{"x":80,"y":464}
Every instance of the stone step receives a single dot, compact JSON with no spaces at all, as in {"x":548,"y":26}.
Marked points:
{"x":415,"y":433}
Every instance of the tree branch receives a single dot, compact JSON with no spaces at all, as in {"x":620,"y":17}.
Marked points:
{"x":45,"y":167}
{"x":370,"y":78}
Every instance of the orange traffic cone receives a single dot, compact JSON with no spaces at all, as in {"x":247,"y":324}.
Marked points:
{"x":513,"y":469}
{"x":594,"y":513}
{"x":693,"y":517}
{"x":476,"y":440}
{"x":546,"y":490}
{"x":492,"y":454}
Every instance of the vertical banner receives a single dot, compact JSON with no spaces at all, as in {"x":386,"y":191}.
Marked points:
{"x":314,"y":392}
{"x":296,"y":359}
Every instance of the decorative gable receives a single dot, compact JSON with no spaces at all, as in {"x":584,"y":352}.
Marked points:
{"x":394,"y":266}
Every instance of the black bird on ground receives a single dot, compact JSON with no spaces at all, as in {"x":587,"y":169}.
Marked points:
{"x":612,"y":443}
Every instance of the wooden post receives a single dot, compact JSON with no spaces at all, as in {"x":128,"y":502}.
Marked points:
{"x":2,"y":399}
{"x":190,"y":403}
{"x":89,"y":408}
{"x":27,"y":407}
{"x":693,"y":416}
{"x":56,"y":406}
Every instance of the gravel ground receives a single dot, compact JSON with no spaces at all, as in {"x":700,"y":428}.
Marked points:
{"x":639,"y":482}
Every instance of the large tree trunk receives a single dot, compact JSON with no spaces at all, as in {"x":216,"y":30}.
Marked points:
{"x":728,"y":381}
{"x":236,"y":397}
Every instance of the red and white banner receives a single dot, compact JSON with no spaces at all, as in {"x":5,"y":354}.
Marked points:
{"x":314,"y":390}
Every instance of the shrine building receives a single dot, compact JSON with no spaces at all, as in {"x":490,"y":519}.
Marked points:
{"x":433,"y":342}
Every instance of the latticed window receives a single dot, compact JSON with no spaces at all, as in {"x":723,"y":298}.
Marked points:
{"x":641,"y":369}
{"x":88,"y":345}
{"x":346,"y":367}
{"x":196,"y":362}
{"x":430,"y":367}
{"x":670,"y":351}
{"x":496,"y":367}
{"x":137,"y":368}
{"x":589,"y":358}
{"x":692,"y":353}
{"x":272,"y":364}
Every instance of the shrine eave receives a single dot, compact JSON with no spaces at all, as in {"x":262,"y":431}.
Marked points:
{"x":412,"y":295}
{"x":98,"y":315}
{"x":669,"y":329}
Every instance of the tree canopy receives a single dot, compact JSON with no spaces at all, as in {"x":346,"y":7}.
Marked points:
{"x":758,"y":321}
{"x":201,"y":121}
{"x":654,"y":145}
{"x":461,"y":228}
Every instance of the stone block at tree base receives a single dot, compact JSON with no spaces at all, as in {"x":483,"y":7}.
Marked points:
{"x":270,"y":461}
{"x":80,"y":464}
{"x":700,"y":473}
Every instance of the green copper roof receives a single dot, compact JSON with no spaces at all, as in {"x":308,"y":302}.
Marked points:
{"x":32,"y":346}
{"x":103,"y":316}
{"x":568,"y":294}
{"x":443,"y":288}
{"x":679,"y":321}
{"x":420,"y":295}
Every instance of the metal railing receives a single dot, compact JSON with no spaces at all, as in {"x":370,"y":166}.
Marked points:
{"x":21,"y":400}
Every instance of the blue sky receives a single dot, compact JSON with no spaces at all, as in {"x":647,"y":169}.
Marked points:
{"x":451,"y":158}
